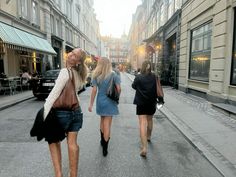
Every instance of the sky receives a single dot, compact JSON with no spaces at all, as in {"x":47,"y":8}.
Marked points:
{"x":115,"y":16}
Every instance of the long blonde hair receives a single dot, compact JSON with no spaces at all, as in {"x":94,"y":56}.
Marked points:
{"x":82,"y":69}
{"x":103,"y":69}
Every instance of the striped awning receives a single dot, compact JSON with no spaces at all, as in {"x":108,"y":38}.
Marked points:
{"x":15,"y":38}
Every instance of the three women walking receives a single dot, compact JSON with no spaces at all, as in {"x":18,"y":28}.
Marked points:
{"x":71,"y":120}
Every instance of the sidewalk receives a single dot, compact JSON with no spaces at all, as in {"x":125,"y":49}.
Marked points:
{"x":10,"y":100}
{"x":211,"y":132}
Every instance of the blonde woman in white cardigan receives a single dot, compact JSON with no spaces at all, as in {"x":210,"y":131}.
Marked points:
{"x":71,"y":121}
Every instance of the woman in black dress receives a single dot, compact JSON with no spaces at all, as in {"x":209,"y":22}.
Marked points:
{"x":146,"y":100}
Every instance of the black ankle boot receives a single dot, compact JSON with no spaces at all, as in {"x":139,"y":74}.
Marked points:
{"x":105,"y":146}
{"x":102,"y":138}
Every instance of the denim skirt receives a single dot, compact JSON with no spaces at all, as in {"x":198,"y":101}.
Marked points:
{"x":70,"y":121}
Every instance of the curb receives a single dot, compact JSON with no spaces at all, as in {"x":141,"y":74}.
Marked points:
{"x":15,"y":103}
{"x":189,"y":135}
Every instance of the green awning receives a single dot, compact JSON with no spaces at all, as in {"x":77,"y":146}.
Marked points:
{"x":16,"y":37}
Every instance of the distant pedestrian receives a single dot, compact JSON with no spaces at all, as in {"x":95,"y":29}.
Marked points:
{"x":105,"y":107}
{"x":145,"y":100}
{"x":70,"y":120}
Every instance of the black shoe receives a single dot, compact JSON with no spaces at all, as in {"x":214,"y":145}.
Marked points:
{"x":105,"y":147}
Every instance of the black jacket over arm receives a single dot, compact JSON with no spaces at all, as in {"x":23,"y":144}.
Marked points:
{"x":145,"y":86}
{"x":49,"y":128}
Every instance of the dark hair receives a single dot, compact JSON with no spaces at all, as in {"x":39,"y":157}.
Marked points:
{"x":146,"y":67}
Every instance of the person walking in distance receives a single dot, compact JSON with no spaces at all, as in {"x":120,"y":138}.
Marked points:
{"x":70,"y":120}
{"x":145,"y":100}
{"x":105,"y":107}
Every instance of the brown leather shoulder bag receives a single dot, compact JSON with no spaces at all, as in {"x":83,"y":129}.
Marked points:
{"x":68,"y":99}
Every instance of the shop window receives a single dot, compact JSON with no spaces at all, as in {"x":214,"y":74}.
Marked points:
{"x":200,"y":53}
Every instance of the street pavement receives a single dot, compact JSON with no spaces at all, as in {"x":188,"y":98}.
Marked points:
{"x":211,"y":132}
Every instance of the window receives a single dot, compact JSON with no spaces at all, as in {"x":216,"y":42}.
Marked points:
{"x":71,"y":36}
{"x":178,"y":4}
{"x":24,"y":8}
{"x":171,"y":8}
{"x":35,"y":12}
{"x":69,"y":9}
{"x":58,"y":2}
{"x":200,"y":53}
{"x":233,"y":71}
{"x":67,"y":34}
{"x":158,"y":19}
{"x":57,"y":27}
{"x":78,"y":16}
{"x":162,"y":14}
{"x":52,"y":23}
{"x":78,"y":40}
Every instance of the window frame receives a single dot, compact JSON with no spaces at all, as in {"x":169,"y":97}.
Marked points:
{"x":206,"y":52}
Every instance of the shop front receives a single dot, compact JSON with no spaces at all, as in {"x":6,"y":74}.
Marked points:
{"x":21,"y":51}
{"x":163,"y":50}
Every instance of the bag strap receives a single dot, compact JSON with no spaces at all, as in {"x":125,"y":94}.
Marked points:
{"x":72,"y":76}
{"x":111,"y":79}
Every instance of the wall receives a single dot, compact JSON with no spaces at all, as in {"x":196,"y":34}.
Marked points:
{"x":194,"y":14}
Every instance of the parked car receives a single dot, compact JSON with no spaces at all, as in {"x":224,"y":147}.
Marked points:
{"x":42,"y":86}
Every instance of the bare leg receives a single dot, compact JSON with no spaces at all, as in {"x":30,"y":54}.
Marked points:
{"x":101,"y":124}
{"x":149,"y":127}
{"x":106,"y":133}
{"x":143,"y":134}
{"x":73,"y":151}
{"x":107,"y":127}
{"x":55,"y":151}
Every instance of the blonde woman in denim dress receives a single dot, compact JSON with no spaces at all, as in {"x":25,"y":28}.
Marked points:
{"x":105,"y":107}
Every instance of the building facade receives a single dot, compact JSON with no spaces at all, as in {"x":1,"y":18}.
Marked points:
{"x":161,"y":37}
{"x":43,"y":32}
{"x":116,"y":49}
{"x":192,"y":45}
{"x":207,"y":56}
{"x":137,"y":47}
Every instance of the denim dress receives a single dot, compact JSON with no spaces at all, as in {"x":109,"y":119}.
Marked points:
{"x":104,"y":105}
